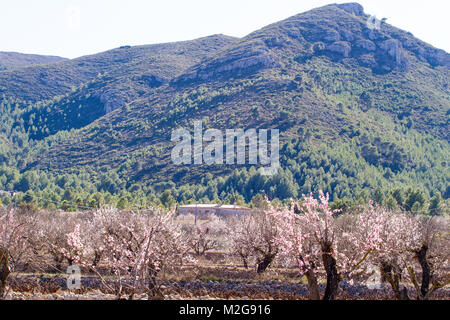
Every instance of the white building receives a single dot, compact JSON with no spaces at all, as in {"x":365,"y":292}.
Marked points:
{"x":204,"y":210}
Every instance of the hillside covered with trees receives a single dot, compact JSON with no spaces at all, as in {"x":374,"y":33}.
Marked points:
{"x":363,"y":115}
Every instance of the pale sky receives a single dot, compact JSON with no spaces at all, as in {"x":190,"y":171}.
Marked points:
{"x":72,"y":28}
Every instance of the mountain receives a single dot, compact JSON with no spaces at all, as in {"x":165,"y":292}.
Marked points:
{"x":46,"y":99}
{"x":358,"y":109}
{"x":38,"y":83}
{"x":14,"y":60}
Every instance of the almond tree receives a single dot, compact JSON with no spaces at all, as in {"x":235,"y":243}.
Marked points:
{"x":432,"y":254}
{"x":310,"y":236}
{"x":136,"y":246}
{"x":239,"y":241}
{"x":252,"y":237}
{"x":49,"y":236}
{"x":398,"y":234}
{"x":400,"y":244}
{"x":401,"y":237}
{"x":205,"y":236}
{"x":298,"y":245}
{"x":13,"y":245}
{"x":357,"y":237}
{"x":84,"y":239}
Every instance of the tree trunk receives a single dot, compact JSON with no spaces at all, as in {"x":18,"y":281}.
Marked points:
{"x":402,"y":294}
{"x":97,"y":257}
{"x":426,"y":271}
{"x":263,"y":265}
{"x":244,"y":261}
{"x":153,"y":289}
{"x":4,"y":271}
{"x":394,"y":278}
{"x":329,"y":263}
{"x":59,"y":259}
{"x":314,"y":293}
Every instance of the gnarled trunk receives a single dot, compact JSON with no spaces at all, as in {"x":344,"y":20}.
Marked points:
{"x":314,"y":293}
{"x":153,"y":289}
{"x":263,"y":265}
{"x":97,"y":258}
{"x":59,"y":259}
{"x":394,"y":277}
{"x":402,"y":294}
{"x":329,"y":262}
{"x":426,"y":270}
{"x":244,"y":260}
{"x":4,"y":271}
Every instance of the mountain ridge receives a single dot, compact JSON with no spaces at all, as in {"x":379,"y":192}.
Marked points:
{"x":67,"y":74}
{"x":14,"y":60}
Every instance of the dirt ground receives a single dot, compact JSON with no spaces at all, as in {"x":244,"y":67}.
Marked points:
{"x":204,"y":283}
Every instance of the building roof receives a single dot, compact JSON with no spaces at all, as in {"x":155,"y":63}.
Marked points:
{"x":201,"y":206}
{"x":233,"y":206}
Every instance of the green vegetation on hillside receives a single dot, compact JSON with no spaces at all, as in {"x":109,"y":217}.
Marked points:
{"x":363,"y":115}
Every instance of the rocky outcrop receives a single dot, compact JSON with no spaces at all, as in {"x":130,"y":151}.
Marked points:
{"x":375,"y":35}
{"x":293,"y":31}
{"x":275,"y":42}
{"x":366,"y":45}
{"x":342,"y":48}
{"x":259,"y":60}
{"x":392,"y":47}
{"x":381,"y":56}
{"x":437,"y":57}
{"x":331,"y":35}
{"x":153,"y":81}
{"x":240,"y":61}
{"x":367,"y":60}
{"x":347,"y":35}
{"x":353,"y":8}
{"x":110,"y":101}
{"x":392,"y":56}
